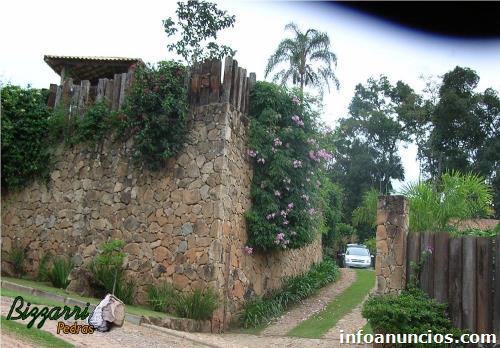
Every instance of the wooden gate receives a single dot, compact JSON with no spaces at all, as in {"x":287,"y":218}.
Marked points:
{"x":463,"y":272}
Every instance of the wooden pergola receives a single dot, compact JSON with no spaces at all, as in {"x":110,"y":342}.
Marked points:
{"x":81,"y":68}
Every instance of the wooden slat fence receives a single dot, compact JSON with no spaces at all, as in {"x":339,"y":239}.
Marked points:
{"x":205,"y":87}
{"x":463,"y":272}
{"x":209,"y":86}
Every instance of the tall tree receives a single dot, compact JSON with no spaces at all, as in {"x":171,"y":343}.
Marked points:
{"x":198,"y":22}
{"x":310,"y":62}
{"x":464,"y":130}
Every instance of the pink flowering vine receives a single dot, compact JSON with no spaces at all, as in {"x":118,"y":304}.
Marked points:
{"x":248,"y":250}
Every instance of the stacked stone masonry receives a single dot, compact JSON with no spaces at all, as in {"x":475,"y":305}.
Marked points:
{"x":184,"y":224}
{"x":392,"y":231}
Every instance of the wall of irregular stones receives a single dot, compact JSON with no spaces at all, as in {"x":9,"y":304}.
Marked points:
{"x":184,"y":224}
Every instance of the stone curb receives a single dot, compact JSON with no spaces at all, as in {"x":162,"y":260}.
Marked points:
{"x":134,"y":319}
{"x":180,"y":335}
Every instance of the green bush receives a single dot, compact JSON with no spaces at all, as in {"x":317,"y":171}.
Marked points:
{"x":43,"y":268}
{"x":58,"y":275}
{"x":412,"y":312}
{"x":258,"y":311}
{"x":17,"y":258}
{"x":25,"y":144}
{"x":198,"y":305}
{"x":94,"y":125}
{"x":156,"y":112}
{"x":107,"y":268}
{"x":288,"y":153}
{"x":456,"y":197}
{"x":162,"y":298}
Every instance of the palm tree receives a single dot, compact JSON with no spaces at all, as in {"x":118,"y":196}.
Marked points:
{"x":309,"y":57}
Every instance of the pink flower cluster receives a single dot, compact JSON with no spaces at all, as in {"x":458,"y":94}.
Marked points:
{"x":271,"y":216}
{"x":319,"y":155}
{"x":280,"y":240}
{"x":277,"y":142}
{"x":297,"y":164}
{"x":297,"y":120}
{"x":295,"y":100}
{"x":248,"y":250}
{"x":277,"y":193}
{"x":252,"y":153}
{"x":311,"y":141}
{"x":312,"y":211}
{"x":261,"y":160}
{"x":305,"y":197}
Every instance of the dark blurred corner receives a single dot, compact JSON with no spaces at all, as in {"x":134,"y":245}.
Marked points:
{"x":473,"y":20}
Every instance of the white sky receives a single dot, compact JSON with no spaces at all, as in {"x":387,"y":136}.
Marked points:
{"x":365,"y":47}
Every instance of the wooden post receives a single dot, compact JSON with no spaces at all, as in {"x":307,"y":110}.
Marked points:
{"x":496,"y":305}
{"x":413,"y":252}
{"x":75,"y":99}
{"x":101,"y":87}
{"x":205,"y":83}
{"x":215,"y":71}
{"x":484,"y":286}
{"x":226,"y":86}
{"x":234,"y":82}
{"x":469,"y":284}
{"x":58,"y":96}
{"x":194,"y":92}
{"x":117,"y":79}
{"x":427,"y":275}
{"x":123,"y":87}
{"x":84,"y":96}
{"x":108,"y":92}
{"x":455,"y":281}
{"x":441,"y":253}
{"x":241,"y":75}
{"x":51,"y":102}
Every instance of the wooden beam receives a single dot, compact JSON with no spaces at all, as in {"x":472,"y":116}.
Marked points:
{"x":228,"y":76}
{"x":234,"y":82}
{"x":215,"y":84}
{"x":455,"y":281}
{"x":469,"y":282}
{"x":123,"y":87}
{"x":441,"y":256}
{"x":484,"y":320}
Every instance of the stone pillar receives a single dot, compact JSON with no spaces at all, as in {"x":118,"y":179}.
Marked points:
{"x":392,"y":232}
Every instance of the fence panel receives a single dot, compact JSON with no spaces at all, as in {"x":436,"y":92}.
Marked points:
{"x":465,"y":273}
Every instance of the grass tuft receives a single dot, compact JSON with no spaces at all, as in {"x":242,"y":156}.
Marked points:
{"x":319,"y":324}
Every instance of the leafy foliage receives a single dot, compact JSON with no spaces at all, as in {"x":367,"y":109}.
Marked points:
{"x":25,"y":152}
{"x":457,"y":197}
{"x":162,"y":298}
{"x":258,"y":311}
{"x":156,"y":112}
{"x":43,"y":268}
{"x":303,"y":53}
{"x":107,"y":268}
{"x":17,"y":258}
{"x":198,"y":305}
{"x":412,"y":312}
{"x":58,"y":275}
{"x":97,"y":122}
{"x":198,"y":22}
{"x":285,"y":147}
{"x":366,"y":213}
{"x":463,"y":130}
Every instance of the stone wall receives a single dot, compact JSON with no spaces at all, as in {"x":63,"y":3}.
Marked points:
{"x":392,"y":232}
{"x":184,"y":224}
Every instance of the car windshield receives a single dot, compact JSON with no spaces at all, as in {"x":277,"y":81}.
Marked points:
{"x":358,"y":252}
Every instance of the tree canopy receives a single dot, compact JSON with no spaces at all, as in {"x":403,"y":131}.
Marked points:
{"x":308,"y":57}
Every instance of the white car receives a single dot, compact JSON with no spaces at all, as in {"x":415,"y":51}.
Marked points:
{"x":357,"y":256}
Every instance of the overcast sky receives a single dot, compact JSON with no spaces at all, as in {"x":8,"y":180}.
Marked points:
{"x":365,"y":47}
